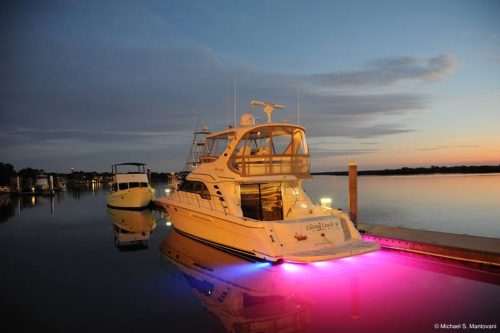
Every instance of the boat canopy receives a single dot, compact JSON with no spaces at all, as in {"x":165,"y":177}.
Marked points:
{"x":140,"y":167}
{"x":270,"y":149}
{"x":263,"y":150}
{"x":277,"y":149}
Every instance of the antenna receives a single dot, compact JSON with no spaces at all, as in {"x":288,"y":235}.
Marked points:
{"x":227,"y":109}
{"x":235,"y":103}
{"x":195,"y":128}
{"x":298,"y":105}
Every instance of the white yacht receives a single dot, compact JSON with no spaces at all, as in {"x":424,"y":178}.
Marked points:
{"x":42,"y":183}
{"x":130,"y":189}
{"x":246,"y":196}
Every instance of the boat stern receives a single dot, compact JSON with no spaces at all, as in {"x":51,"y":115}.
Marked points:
{"x":350,"y":248}
{"x":320,"y":238}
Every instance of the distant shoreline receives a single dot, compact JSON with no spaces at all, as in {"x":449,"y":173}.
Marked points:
{"x":7,"y":171}
{"x":418,"y":171}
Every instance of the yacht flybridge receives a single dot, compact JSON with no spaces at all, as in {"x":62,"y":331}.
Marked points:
{"x":246,"y":196}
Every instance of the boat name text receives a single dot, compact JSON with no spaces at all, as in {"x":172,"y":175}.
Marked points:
{"x":320,"y":226}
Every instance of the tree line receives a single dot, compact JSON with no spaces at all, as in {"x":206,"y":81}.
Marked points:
{"x":420,"y":171}
{"x":7,"y":171}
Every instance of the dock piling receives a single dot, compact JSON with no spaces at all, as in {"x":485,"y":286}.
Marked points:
{"x":51,"y":184}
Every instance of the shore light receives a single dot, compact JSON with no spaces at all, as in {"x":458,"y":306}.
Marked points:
{"x":326,"y":202}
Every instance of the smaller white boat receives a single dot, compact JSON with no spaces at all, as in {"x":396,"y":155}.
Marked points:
{"x":42,"y":183}
{"x":130,"y":189}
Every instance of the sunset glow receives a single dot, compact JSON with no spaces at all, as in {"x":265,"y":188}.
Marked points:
{"x":385,"y":83}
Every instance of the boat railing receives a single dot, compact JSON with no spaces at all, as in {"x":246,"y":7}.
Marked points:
{"x":212,"y":202}
{"x":276,"y":164}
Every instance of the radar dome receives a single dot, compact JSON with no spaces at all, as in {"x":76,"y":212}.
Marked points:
{"x":247,"y":119}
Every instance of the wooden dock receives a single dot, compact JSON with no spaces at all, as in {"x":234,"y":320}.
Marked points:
{"x":464,"y":248}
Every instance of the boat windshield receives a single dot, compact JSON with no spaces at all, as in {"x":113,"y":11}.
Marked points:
{"x":272,"y":150}
{"x":215,"y":146}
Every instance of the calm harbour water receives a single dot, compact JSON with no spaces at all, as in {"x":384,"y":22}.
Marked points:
{"x":460,"y":204}
{"x":64,"y":269}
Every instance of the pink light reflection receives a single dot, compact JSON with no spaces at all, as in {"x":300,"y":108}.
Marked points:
{"x":362,"y":291}
{"x":320,"y":264}
{"x":290,"y":267}
{"x":380,"y":291}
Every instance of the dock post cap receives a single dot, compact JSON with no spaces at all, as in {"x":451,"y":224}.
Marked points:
{"x":353,"y":164}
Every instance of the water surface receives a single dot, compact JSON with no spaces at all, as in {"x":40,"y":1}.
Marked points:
{"x":460,"y":204}
{"x":65,"y":268}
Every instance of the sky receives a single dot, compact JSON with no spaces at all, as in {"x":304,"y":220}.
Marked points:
{"x":386,"y":84}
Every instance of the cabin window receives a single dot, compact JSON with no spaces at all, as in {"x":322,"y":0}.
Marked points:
{"x":250,"y":201}
{"x":262,"y":201}
{"x":258,"y":143}
{"x":282,"y":141}
{"x":133,"y":184}
{"x":123,"y":186}
{"x":215,"y":146}
{"x":114,"y":187}
{"x":204,"y":193}
{"x":186,"y":186}
{"x":143,"y":184}
{"x":195,"y":187}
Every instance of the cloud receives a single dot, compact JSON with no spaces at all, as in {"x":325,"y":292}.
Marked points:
{"x":93,"y":149}
{"x":441,"y":147}
{"x":341,"y":152}
{"x":355,"y":132}
{"x":145,"y":138}
{"x":494,"y":58}
{"x":389,"y":71}
{"x":358,"y":105}
{"x":130,"y":82}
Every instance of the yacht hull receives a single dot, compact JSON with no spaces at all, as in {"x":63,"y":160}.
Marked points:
{"x":134,"y":198}
{"x":303,"y":240}
{"x":219,"y":230}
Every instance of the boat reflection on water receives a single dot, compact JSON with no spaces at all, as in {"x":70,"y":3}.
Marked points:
{"x":381,"y":290}
{"x":241,"y":294}
{"x":132,"y":229}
